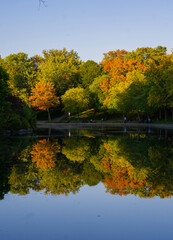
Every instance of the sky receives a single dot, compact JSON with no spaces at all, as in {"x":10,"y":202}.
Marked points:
{"x":90,"y":27}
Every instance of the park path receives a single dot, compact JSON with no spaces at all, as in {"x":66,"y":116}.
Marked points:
{"x":58,"y":119}
{"x":43,"y":124}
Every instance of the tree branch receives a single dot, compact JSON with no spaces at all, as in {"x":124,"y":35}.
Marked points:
{"x":42,"y":2}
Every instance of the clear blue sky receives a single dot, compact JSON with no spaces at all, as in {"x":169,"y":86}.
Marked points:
{"x":90,"y":27}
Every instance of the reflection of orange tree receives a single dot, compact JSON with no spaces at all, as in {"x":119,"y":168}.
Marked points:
{"x":39,"y":171}
{"x":153,"y":158}
{"x":122,"y":177}
{"x":44,"y":153}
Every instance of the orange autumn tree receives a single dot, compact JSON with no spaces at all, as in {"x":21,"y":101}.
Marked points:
{"x":43,"y":97}
{"x":44,"y":153}
{"x":117,"y":68}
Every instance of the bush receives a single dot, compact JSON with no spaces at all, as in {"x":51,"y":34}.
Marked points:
{"x":24,"y":123}
{"x":14,"y":122}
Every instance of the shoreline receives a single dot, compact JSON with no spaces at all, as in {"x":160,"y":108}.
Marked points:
{"x":43,"y":124}
{"x":63,"y":126}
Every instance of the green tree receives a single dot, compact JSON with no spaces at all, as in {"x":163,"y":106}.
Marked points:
{"x":96,"y":94}
{"x":60,"y":67}
{"x":22,"y":75}
{"x":145,"y":54}
{"x":89,"y":70}
{"x":75,"y":100}
{"x":134,"y":98}
{"x":160,"y":78}
{"x":4,"y":91}
{"x":4,"y":104}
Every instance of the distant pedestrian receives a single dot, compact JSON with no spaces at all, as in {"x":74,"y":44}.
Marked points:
{"x":125,"y":119}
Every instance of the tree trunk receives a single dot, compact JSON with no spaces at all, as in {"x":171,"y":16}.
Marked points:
{"x":160,"y":114}
{"x":165,"y":112}
{"x":166,"y":136}
{"x":49,"y":118}
{"x":139,"y":119}
{"x":172,"y":112}
{"x":49,"y":132}
{"x":160,"y":133}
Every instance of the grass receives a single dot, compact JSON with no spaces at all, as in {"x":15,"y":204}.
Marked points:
{"x":86,"y":116}
{"x":90,"y":114}
{"x":169,"y":121}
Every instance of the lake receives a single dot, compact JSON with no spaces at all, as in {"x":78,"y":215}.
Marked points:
{"x":100,"y":183}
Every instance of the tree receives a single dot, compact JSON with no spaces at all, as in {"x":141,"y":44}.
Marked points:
{"x":43,"y":97}
{"x":161,"y":78}
{"x":3,"y":85}
{"x":116,"y":81}
{"x":134,"y":94}
{"x":88,"y":72}
{"x":96,"y":94}
{"x":75,"y":100}
{"x":42,"y":2}
{"x":112,"y":56}
{"x":22,"y":75}
{"x":4,"y":104}
{"x":145,"y":54}
{"x":60,"y":67}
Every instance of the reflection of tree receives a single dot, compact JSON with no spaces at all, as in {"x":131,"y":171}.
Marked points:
{"x":56,"y":181}
{"x":161,"y":159}
{"x":76,"y":149}
{"x":24,"y":174}
{"x":44,"y":153}
{"x":125,"y":165}
{"x":11,"y":152}
{"x":122,"y":177}
{"x":18,"y":181}
{"x":153,"y":156}
{"x":147,"y":175}
{"x":4,"y":169}
{"x":90,"y":175}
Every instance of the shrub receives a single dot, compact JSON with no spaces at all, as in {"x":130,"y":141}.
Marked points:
{"x":14,"y":122}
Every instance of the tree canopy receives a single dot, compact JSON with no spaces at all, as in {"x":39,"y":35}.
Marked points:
{"x":75,"y":100}
{"x":43,"y":97}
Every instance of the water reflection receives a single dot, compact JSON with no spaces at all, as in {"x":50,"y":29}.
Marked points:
{"x":130,"y":164}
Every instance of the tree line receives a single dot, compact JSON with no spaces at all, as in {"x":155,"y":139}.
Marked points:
{"x":137,"y":83}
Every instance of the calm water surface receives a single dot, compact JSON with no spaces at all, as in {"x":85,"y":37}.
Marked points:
{"x":87,"y":184}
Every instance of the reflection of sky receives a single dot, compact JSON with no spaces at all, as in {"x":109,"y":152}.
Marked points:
{"x":90,"y":214}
